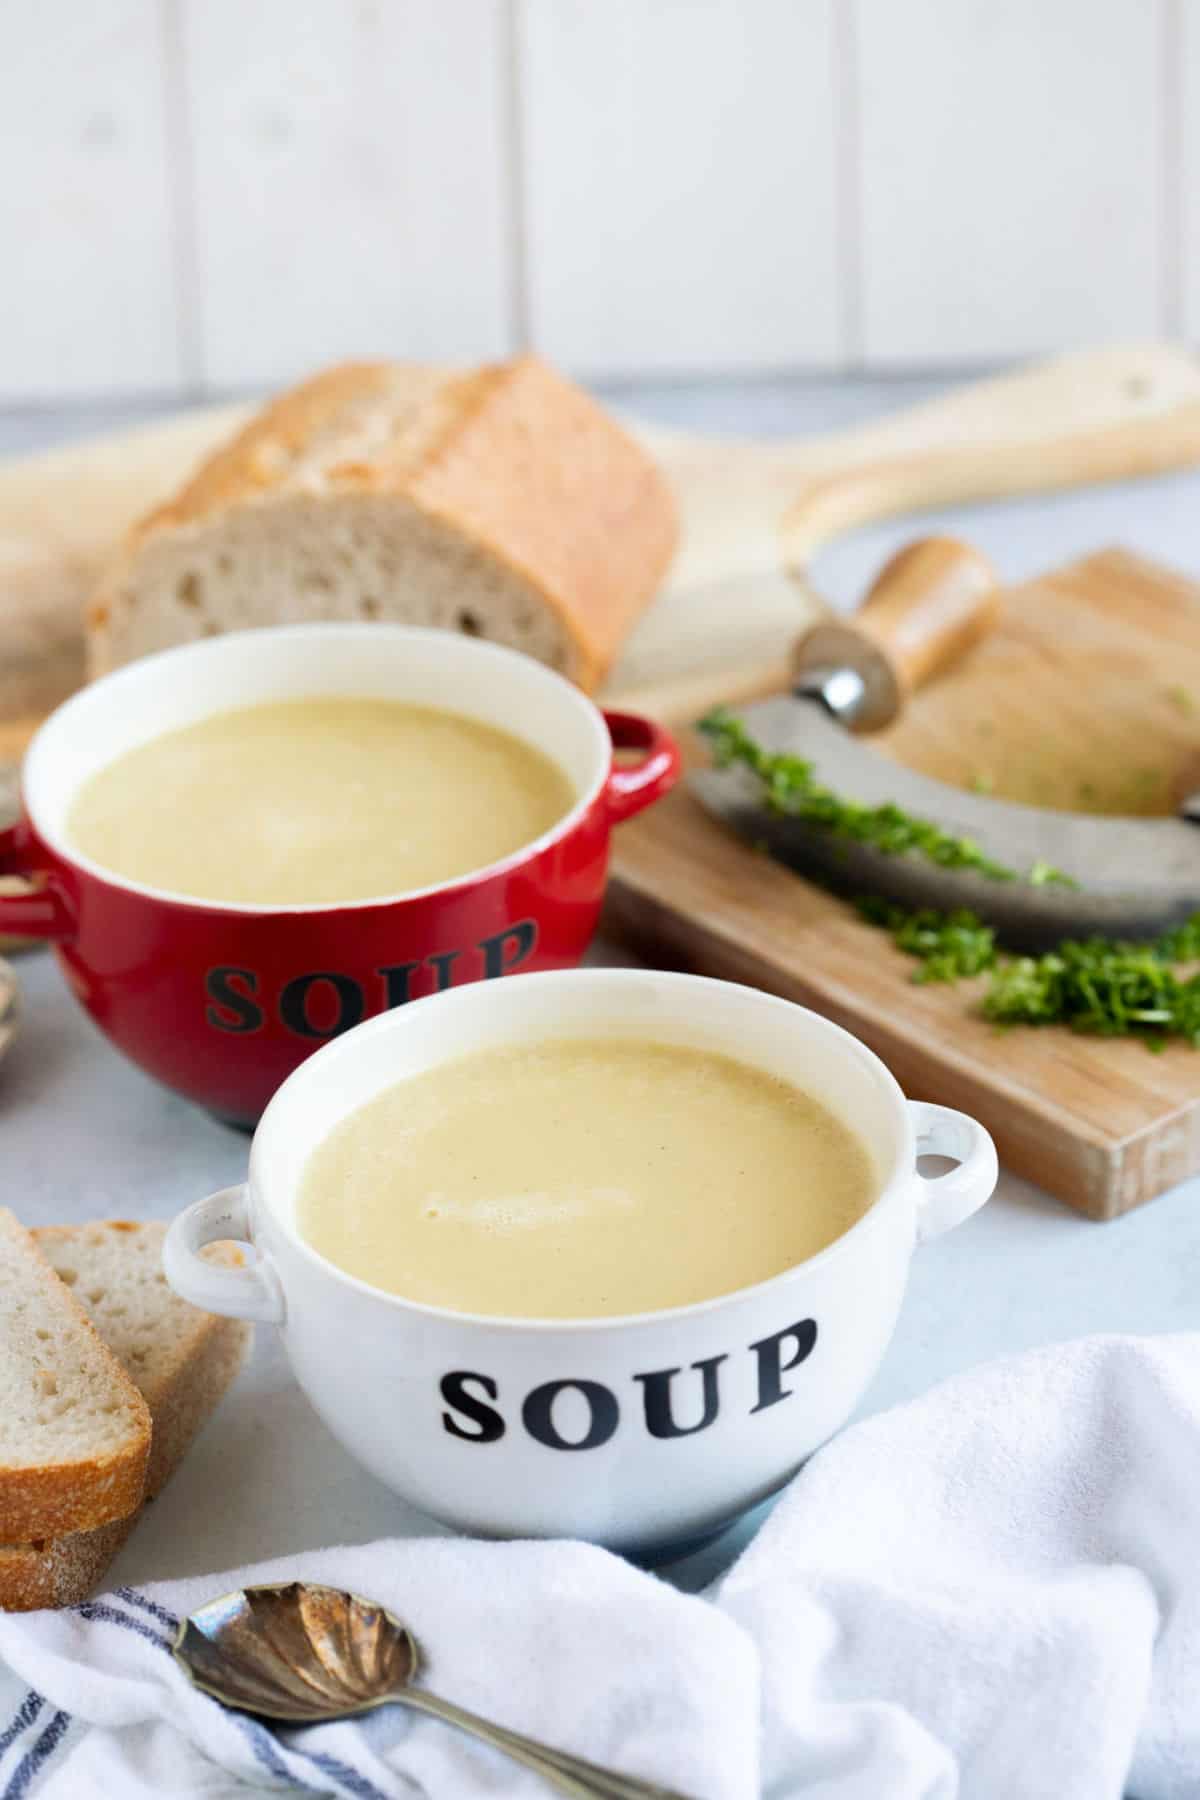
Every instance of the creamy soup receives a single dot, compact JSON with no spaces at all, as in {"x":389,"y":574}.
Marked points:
{"x":580,"y":1178}
{"x":317,"y":800}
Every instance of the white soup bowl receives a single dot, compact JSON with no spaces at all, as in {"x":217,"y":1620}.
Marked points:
{"x":638,"y":1432}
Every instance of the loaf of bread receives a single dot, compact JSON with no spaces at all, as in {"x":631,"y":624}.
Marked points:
{"x":181,"y":1359}
{"x":74,"y":1430}
{"x":504,"y":503}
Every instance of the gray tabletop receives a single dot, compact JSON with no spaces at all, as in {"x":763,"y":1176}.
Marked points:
{"x":85,"y":1135}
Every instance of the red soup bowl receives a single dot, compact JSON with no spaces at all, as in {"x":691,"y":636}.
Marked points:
{"x":221,"y":1001}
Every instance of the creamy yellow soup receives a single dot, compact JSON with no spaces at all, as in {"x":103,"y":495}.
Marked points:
{"x":316,"y":800}
{"x":581,"y":1178}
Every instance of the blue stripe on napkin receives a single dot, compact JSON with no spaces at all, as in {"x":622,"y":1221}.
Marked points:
{"x":96,"y":1609}
{"x":27,"y":1712}
{"x":131,"y":1597}
{"x":34,"y":1759}
{"x":261,"y":1739}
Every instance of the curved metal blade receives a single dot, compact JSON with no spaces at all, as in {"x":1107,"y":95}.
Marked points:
{"x":1136,"y":877}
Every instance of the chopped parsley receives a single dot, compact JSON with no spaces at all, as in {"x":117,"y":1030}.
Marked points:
{"x":1102,"y":986}
{"x":948,"y":946}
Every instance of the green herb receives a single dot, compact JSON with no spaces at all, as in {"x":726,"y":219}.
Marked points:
{"x":790,"y":787}
{"x":981,"y":783}
{"x":1182,"y":943}
{"x":1182,"y":701}
{"x":949,"y":946}
{"x":1102,"y":986}
{"x":1105,"y":988}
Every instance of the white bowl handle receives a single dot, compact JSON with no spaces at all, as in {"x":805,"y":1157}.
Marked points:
{"x":944,"y":1201}
{"x":247,"y":1293}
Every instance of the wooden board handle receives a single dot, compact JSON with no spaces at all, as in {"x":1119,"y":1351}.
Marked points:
{"x":930,"y":604}
{"x":1093,"y":415}
{"x":724,"y":627}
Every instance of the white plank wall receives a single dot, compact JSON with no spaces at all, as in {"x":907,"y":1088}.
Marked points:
{"x":679,"y":183}
{"x":351,"y":183}
{"x":1011,"y":187}
{"x":1187,"y":18}
{"x":220,"y":194}
{"x":87,"y":276}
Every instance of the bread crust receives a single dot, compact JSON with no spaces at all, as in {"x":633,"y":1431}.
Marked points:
{"x":49,"y":1499}
{"x":518,"y":461}
{"x":537,"y":471}
{"x":59,"y":1571}
{"x":261,"y":457}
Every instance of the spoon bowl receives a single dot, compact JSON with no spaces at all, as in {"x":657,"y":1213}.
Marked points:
{"x":299,"y":1653}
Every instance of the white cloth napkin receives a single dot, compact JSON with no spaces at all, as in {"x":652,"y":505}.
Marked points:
{"x":990,"y":1594}
{"x":994,"y":1591}
{"x":561,"y":1641}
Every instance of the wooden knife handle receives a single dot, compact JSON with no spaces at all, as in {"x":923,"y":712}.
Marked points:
{"x":930,"y":604}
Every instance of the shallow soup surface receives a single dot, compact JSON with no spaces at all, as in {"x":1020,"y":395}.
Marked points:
{"x":582,"y":1178}
{"x":318,"y":800}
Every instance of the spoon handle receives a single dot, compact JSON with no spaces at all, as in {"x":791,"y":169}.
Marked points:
{"x":569,"y":1774}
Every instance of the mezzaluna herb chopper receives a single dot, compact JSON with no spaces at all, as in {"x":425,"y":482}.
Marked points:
{"x":863,"y":824}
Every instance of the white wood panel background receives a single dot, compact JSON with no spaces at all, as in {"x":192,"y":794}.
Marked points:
{"x":350,"y":171}
{"x":678,"y":174}
{"x":88,"y":299}
{"x":1012,"y":196}
{"x":219,"y":194}
{"x":1187,"y":60}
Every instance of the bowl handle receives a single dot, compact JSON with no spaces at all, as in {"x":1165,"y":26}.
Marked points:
{"x":628,"y":790}
{"x":246,"y":1293}
{"x":944,"y":1201}
{"x":42,"y":910}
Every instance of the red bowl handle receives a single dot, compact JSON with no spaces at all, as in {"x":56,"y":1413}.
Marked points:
{"x":43,"y":910}
{"x":629,"y":789}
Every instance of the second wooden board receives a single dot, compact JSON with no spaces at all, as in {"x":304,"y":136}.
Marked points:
{"x":752,"y":514}
{"x":1088,"y":681}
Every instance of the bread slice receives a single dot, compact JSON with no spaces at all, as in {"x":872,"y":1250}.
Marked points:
{"x":504,"y":503}
{"x":74,"y":1430}
{"x":182,"y":1360}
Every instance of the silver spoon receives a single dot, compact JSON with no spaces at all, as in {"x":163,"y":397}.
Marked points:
{"x":304,"y":1654}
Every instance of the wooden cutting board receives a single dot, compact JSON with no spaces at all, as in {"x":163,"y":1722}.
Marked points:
{"x":752,"y":515}
{"x":1090,"y":682}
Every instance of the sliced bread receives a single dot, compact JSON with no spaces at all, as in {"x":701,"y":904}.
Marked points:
{"x":181,"y":1359}
{"x":74,"y":1430}
{"x":504,"y":503}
